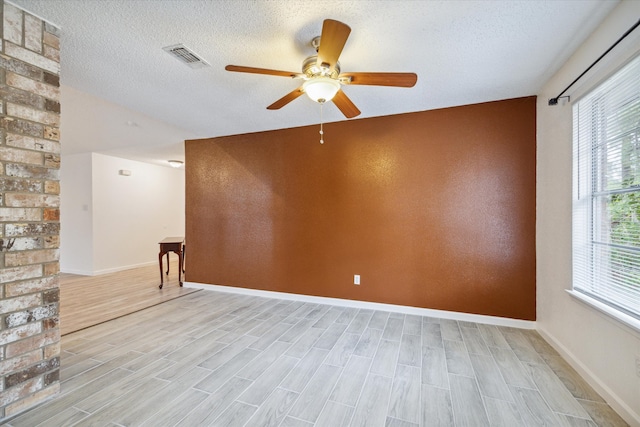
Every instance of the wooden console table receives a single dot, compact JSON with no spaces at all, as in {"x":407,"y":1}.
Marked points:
{"x":172,"y":244}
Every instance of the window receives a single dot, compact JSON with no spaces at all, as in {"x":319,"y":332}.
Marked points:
{"x":606,"y":192}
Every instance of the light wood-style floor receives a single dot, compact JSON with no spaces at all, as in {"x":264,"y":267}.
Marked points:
{"x":88,"y":300}
{"x":212,"y":358}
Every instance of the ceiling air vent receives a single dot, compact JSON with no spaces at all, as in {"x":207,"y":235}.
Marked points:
{"x":186,"y":56}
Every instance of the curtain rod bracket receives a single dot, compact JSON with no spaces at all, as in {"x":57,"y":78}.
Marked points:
{"x":554,"y":101}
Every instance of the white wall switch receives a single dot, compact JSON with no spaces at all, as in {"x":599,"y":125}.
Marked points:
{"x":356,"y":279}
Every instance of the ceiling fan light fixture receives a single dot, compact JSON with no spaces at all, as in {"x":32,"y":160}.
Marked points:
{"x":321,"y":89}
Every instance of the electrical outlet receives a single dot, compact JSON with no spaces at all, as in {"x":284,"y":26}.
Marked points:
{"x":356,"y":279}
{"x":638,"y":366}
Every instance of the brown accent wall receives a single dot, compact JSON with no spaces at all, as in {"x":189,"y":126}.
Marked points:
{"x":434,"y":209}
{"x":29,"y":210}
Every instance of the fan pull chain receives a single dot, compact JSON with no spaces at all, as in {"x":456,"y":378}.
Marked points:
{"x":321,"y":130}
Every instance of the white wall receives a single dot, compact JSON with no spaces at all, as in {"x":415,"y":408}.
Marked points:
{"x":600,"y":348}
{"x":76,"y":223}
{"x":112,"y":222}
{"x":131,"y":214}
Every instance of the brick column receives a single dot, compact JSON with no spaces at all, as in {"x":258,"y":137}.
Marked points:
{"x":29,"y":210}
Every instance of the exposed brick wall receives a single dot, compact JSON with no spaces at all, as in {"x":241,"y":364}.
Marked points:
{"x":29,"y":210}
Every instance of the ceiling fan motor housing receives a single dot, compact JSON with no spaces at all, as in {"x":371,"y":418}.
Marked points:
{"x":310,"y":68}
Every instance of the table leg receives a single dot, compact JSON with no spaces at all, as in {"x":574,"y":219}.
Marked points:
{"x":161,"y":276}
{"x":180,"y":268}
{"x":168,"y":263}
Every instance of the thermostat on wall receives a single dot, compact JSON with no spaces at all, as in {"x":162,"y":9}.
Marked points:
{"x":125,"y":172}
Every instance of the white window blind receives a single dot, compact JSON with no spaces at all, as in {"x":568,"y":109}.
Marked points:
{"x":606,"y":191}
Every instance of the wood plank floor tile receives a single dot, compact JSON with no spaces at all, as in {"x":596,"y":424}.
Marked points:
{"x":138,"y":413}
{"x":394,"y":422}
{"x":347,"y":315}
{"x":489,"y":378}
{"x":305,"y":342}
{"x":328,"y":318}
{"x":237,"y":414}
{"x":492,"y":336}
{"x":511,"y":368}
{"x":522,"y":347}
{"x":71,"y":370}
{"x":120,"y":405}
{"x":431,"y":335}
{"x":216,"y":379}
{"x":554,"y":391}
{"x":569,"y":421}
{"x":265,"y":359}
{"x":266,"y":325}
{"x":221,"y":355}
{"x":170,"y":415}
{"x":435,"y":407}
{"x":213,"y":358}
{"x":434,"y":367}
{"x":571,"y":379}
{"x":294,"y":422}
{"x":393,"y":329}
{"x":268,"y":381}
{"x":198,"y":346}
{"x":335,"y":415}
{"x":271,"y":336}
{"x":405,"y":394}
{"x":412,"y":325}
{"x":273,"y":410}
{"x":410,"y":350}
{"x":296,"y":330}
{"x":313,"y":398}
{"x":289,"y":308}
{"x":215,"y":404}
{"x":378,"y":320}
{"x":457,"y":357}
{"x":532,"y":407}
{"x":330,"y":336}
{"x":371,"y":410}
{"x":68,"y":417}
{"x":300,"y":376}
{"x":360,"y":322}
{"x":69,"y":400}
{"x":350,"y":384}
{"x":502,"y":413}
{"x":86,"y":377}
{"x":386,"y":358}
{"x":341,"y":352}
{"x":602,"y":414}
{"x":368,"y":343}
{"x":473,"y":340}
{"x":450,"y":330}
{"x":467,"y":403}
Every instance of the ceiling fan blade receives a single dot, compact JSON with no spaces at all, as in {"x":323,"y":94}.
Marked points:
{"x":345,"y":105}
{"x":253,"y":70}
{"x":381,"y":79}
{"x":286,"y":99}
{"x":332,"y":40}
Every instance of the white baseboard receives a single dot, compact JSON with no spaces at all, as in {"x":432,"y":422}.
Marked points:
{"x":477,"y":318}
{"x":74,"y":271}
{"x":106,"y":270}
{"x":625,"y":411}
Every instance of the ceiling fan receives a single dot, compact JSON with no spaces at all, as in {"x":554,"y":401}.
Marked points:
{"x":322,"y":75}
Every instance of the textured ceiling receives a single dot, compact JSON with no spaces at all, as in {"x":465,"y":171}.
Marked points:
{"x":463,"y":52}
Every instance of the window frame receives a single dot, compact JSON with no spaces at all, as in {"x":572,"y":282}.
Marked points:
{"x":585,"y":203}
